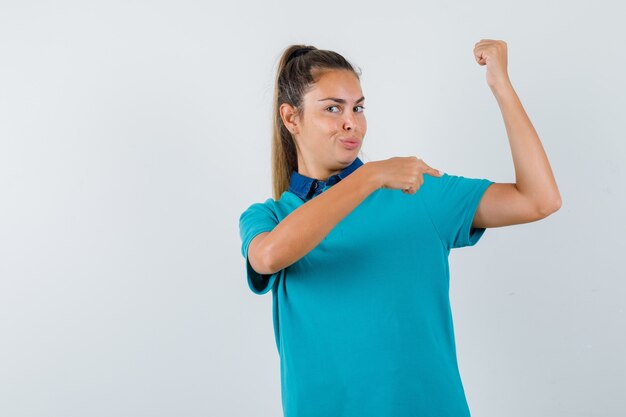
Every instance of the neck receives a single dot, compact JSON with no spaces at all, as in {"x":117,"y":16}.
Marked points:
{"x":316,"y":171}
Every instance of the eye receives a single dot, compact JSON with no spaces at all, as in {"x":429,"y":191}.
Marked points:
{"x":362,"y":108}
{"x":327,"y":108}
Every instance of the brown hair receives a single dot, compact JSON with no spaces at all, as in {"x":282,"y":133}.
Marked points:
{"x":297,"y":71}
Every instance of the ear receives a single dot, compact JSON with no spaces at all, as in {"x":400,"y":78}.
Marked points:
{"x":290,"y":118}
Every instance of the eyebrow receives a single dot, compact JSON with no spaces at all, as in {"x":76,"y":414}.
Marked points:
{"x":340,"y":100}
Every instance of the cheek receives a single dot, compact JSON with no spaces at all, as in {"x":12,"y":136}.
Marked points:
{"x":331,"y":126}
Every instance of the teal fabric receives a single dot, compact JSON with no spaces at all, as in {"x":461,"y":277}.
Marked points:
{"x":362,"y":323}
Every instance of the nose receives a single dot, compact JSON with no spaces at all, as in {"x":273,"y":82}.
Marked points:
{"x":349,"y":122}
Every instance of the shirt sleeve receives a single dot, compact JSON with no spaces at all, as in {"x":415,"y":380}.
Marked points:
{"x":257,"y":218}
{"x":451,"y":202}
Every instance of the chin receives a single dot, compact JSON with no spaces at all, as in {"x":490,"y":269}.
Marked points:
{"x":348,"y":158}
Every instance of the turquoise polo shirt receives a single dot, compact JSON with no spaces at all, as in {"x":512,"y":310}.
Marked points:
{"x":362,"y":323}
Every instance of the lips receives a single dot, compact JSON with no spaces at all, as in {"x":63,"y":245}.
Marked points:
{"x":350,"y":141}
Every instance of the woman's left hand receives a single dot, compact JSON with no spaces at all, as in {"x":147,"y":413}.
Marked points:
{"x":493,"y":54}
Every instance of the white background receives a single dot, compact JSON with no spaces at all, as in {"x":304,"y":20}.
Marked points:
{"x":133,"y":135}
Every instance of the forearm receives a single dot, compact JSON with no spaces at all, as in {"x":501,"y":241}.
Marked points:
{"x":304,"y":228}
{"x":533,"y":174}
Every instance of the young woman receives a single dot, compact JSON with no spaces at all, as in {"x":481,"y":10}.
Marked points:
{"x":356,"y":254}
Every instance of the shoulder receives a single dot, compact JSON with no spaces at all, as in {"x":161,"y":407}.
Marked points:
{"x":274,"y":209}
{"x":267,"y":207}
{"x":450,"y":181}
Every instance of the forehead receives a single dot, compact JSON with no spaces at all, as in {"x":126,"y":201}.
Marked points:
{"x":336,"y":83}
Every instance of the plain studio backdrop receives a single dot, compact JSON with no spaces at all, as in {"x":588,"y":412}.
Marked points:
{"x":134,"y":134}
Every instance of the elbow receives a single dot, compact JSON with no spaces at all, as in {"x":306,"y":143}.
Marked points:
{"x":548,"y":209}
{"x":262,"y":266}
{"x":270,"y":261}
{"x":260,"y":260}
{"x":277,"y":259}
{"x":268,"y":266}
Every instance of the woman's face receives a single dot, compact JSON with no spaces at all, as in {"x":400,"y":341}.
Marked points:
{"x":330,"y":132}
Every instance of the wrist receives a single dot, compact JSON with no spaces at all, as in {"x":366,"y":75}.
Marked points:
{"x":502,"y":86}
{"x":371,"y":175}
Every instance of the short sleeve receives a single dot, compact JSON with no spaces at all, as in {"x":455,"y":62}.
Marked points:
{"x":451,"y":202}
{"x":256,"y":219}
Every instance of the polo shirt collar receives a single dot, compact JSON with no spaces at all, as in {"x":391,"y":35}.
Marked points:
{"x":307,"y":188}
